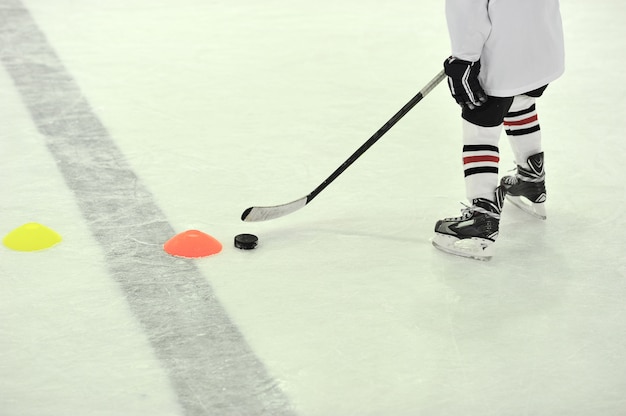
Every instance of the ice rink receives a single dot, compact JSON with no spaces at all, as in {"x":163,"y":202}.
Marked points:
{"x":125,"y":122}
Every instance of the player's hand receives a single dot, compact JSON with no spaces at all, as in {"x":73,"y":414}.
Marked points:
{"x":463,"y":82}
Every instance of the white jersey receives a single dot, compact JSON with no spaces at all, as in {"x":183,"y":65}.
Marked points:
{"x":519,"y":42}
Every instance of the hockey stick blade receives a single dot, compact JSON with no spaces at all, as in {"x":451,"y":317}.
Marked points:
{"x":271,"y":212}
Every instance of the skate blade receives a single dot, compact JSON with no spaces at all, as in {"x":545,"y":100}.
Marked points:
{"x":473,"y":248}
{"x":529,"y":207}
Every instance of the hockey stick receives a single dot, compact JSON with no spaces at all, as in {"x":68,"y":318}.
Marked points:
{"x":276,"y":211}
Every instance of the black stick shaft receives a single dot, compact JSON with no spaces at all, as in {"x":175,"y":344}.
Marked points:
{"x":380,"y":133}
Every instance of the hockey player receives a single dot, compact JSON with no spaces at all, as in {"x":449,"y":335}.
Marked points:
{"x":504,"y":54}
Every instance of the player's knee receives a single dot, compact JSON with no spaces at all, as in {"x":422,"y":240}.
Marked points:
{"x":491,"y":113}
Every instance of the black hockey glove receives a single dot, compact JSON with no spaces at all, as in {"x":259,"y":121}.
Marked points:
{"x":463,"y":82}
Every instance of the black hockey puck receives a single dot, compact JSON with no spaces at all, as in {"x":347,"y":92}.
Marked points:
{"x":246,"y":241}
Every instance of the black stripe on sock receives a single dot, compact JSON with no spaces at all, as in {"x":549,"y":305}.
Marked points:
{"x":521,"y":112}
{"x":483,"y":169}
{"x":480,"y":148}
{"x":522,"y":132}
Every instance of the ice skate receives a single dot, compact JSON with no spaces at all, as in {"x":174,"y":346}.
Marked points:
{"x":527,"y":188}
{"x":474,"y":232}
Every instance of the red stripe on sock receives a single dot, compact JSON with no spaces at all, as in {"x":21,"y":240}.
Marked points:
{"x":521,"y":122}
{"x":483,"y":158}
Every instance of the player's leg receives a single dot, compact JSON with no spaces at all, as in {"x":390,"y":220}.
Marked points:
{"x":473,"y":233}
{"x":526,"y":189}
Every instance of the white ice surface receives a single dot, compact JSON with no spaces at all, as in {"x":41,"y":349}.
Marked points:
{"x":219,"y":106}
{"x":68,"y":343}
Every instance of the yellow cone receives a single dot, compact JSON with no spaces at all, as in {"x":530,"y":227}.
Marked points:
{"x":31,"y":237}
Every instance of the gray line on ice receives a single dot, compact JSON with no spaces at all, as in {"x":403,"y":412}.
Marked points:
{"x":212,"y":368}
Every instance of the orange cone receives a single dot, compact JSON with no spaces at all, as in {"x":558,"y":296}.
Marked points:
{"x":192,"y":244}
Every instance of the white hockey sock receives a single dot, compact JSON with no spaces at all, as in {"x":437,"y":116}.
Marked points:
{"x":522,"y":128}
{"x":480,"y":160}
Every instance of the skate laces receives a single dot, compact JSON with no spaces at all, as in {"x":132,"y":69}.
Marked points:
{"x":469,"y":210}
{"x":475,"y":208}
{"x":511,"y":179}
{"x":523,"y":175}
